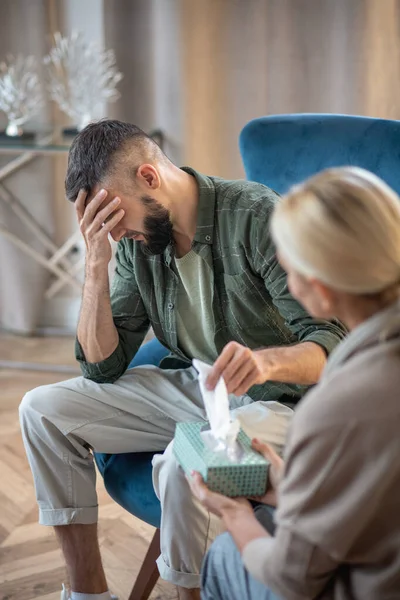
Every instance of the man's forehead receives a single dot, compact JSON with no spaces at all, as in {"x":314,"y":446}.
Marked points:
{"x":96,"y":189}
{"x":114,"y":189}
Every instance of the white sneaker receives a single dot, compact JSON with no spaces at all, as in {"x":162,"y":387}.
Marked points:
{"x":65,"y":594}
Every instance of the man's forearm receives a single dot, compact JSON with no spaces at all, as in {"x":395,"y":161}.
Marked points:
{"x":301,"y":364}
{"x":97,"y":333}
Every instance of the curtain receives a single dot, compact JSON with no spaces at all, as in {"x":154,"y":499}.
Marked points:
{"x":200,"y":70}
{"x":23,"y":30}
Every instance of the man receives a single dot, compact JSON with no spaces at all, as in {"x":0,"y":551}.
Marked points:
{"x":195,"y":261}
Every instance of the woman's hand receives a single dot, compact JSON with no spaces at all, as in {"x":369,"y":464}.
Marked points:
{"x":237,"y":513}
{"x":274,"y":474}
{"x":216,"y":503}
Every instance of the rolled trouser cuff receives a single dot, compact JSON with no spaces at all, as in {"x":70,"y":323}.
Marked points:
{"x":185,"y":580}
{"x":68,"y":516}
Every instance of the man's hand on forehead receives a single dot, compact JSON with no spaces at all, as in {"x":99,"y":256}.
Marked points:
{"x":90,"y":203}
{"x":97,"y":218}
{"x":91,"y":195}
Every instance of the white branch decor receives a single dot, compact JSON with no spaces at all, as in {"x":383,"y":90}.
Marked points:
{"x":81,"y":77}
{"x":20,"y":91}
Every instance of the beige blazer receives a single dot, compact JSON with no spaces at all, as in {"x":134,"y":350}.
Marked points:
{"x":338,"y":521}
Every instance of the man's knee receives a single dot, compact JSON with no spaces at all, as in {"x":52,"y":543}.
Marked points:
{"x":169,"y":478}
{"x":34,"y":402}
{"x":43,"y":401}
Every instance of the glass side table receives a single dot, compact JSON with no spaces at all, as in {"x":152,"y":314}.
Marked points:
{"x":23,"y":152}
{"x":54,"y":258}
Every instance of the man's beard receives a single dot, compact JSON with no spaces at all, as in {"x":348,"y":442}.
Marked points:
{"x":157,"y":227}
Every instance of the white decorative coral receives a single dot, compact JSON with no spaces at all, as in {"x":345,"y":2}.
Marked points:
{"x":20,"y":91}
{"x":81,"y":76}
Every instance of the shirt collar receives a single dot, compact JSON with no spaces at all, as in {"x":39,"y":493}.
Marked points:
{"x":205,"y":214}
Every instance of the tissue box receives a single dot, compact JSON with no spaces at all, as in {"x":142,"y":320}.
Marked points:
{"x":247,"y":478}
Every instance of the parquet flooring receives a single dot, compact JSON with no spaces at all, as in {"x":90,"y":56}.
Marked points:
{"x":31,"y":565}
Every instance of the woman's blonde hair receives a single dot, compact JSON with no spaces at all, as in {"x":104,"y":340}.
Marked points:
{"x":342,"y":227}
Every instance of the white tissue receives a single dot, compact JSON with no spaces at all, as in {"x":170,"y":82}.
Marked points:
{"x":224,"y":431}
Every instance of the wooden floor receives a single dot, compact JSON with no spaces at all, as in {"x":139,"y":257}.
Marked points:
{"x":31,"y":564}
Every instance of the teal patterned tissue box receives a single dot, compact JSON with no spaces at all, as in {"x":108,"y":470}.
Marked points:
{"x":245,"y":478}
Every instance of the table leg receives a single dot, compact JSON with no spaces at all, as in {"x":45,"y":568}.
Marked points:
{"x":40,"y":259}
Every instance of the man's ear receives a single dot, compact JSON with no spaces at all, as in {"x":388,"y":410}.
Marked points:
{"x":148,"y":177}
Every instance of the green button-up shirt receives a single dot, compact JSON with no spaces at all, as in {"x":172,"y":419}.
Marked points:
{"x":251,"y":303}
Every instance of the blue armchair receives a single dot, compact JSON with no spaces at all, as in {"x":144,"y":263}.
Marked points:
{"x":282,"y":150}
{"x":277,"y":151}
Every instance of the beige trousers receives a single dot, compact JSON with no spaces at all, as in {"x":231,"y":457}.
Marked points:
{"x":63,"y":422}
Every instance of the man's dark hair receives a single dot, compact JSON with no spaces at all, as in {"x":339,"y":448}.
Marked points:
{"x":94,"y":150}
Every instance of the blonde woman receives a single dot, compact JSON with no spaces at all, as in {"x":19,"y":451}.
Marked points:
{"x":338,"y":518}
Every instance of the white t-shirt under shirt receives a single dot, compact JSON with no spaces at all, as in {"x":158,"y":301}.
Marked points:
{"x":194,"y":316}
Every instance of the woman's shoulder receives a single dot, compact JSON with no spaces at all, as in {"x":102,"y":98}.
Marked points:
{"x":366,"y":386}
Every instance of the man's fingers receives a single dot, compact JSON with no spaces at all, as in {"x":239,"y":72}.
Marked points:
{"x":234,"y":382}
{"x":246,"y":383}
{"x":80,"y":204}
{"x":241,"y":358}
{"x":92,"y":208}
{"x":106,"y":214}
{"x":113,"y":221}
{"x":220,"y":364}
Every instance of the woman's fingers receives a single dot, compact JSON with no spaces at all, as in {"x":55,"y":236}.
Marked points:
{"x":267,"y":451}
{"x":268,"y":498}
